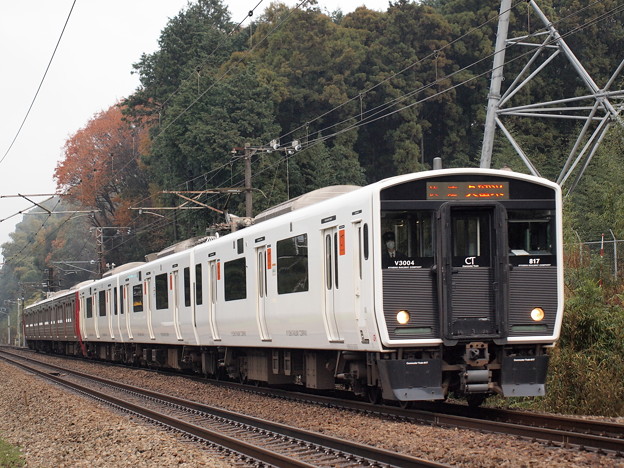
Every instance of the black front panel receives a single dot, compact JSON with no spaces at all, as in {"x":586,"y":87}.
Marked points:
{"x":413,"y":290}
{"x":530,"y":287}
{"x":472,"y":303}
{"x":469,"y":256}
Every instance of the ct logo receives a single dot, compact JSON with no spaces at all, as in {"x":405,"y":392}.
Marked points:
{"x":470,"y":260}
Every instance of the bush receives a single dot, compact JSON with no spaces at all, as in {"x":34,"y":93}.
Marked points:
{"x":587,"y":365}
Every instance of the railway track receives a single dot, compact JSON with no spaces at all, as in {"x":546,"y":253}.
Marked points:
{"x":564,"y":431}
{"x":257,"y":441}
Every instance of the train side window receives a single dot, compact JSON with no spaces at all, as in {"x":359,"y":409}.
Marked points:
{"x":365,"y":241}
{"x":235,"y":279}
{"x":162,"y":291}
{"x":89,"y":307}
{"x":187,"y":287}
{"x":102,"y":303}
{"x":114,"y":301}
{"x":336,"y":259}
{"x":328,"y":262}
{"x":292,"y":264}
{"x":198,"y":284}
{"x":137,"y":298}
{"x":122,"y":300}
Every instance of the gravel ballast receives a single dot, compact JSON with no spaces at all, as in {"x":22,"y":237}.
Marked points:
{"x":59,"y":428}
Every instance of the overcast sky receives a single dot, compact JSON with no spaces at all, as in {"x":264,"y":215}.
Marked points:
{"x":90,"y":72}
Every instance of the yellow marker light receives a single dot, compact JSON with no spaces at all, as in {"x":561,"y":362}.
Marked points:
{"x":537,"y":314}
{"x":403,"y":317}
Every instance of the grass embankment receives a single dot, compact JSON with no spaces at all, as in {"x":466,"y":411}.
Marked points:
{"x":10,"y":456}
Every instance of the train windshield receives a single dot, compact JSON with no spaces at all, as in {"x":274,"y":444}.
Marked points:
{"x":531,"y":234}
{"x":408,"y":237}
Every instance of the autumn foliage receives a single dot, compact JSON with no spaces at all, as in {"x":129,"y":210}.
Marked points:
{"x":101,"y":168}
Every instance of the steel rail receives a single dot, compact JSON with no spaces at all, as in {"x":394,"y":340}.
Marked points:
{"x":366,"y":453}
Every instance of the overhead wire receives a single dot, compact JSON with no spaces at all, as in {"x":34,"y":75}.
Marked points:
{"x":420,"y":61}
{"x":377,"y":115}
{"x":395,"y":101}
{"x":19,"y":130}
{"x":218,"y":46}
{"x":232,"y":67}
{"x":407,"y":95}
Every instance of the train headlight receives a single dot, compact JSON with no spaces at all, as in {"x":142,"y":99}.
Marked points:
{"x":403,"y":317}
{"x":537,"y":314}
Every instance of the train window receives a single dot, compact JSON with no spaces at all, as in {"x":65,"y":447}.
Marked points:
{"x":336,"y":259}
{"x":530,"y":232}
{"x":328,"y":262}
{"x":187,"y":287}
{"x":235,"y":279}
{"x":239,"y":246}
{"x":470,"y":231}
{"x":137,"y":298}
{"x":365,"y":241}
{"x":89,"y":307}
{"x":162,"y":291}
{"x":198,"y":284}
{"x":412,"y":234}
{"x":122,"y":299}
{"x":292,"y":264}
{"x":102,"y":303}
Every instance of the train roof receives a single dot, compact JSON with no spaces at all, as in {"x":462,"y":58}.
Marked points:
{"x":307,"y":199}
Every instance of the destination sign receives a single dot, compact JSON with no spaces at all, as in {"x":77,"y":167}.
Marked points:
{"x":467,"y":190}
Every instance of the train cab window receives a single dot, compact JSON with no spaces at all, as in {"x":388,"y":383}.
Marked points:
{"x":187,"y":287}
{"x":198,"y":284}
{"x":470,"y":234}
{"x":292,"y":264}
{"x":412,"y":234}
{"x":102,"y":303}
{"x":162,"y":291}
{"x":89,"y":302}
{"x":235,"y":279}
{"x":137,"y":298}
{"x":530,"y":234}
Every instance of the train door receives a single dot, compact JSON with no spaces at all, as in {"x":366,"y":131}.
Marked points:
{"x":147,"y":295}
{"x":472,"y":284}
{"x":213,"y":276}
{"x":360,"y":242}
{"x":109,"y":312}
{"x":331,"y":283}
{"x":127,"y":307}
{"x":262,"y":265}
{"x":174,"y":285}
{"x":97,"y":307}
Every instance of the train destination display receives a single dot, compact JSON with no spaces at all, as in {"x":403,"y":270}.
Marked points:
{"x":468,"y":190}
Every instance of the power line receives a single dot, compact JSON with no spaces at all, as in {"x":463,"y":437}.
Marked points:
{"x":40,"y":84}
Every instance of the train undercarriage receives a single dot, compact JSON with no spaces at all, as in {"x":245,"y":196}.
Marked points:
{"x":472,"y":370}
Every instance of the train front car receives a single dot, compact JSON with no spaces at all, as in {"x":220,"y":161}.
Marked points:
{"x":472,"y":283}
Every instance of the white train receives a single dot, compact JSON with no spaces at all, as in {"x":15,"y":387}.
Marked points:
{"x":407,"y":289}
